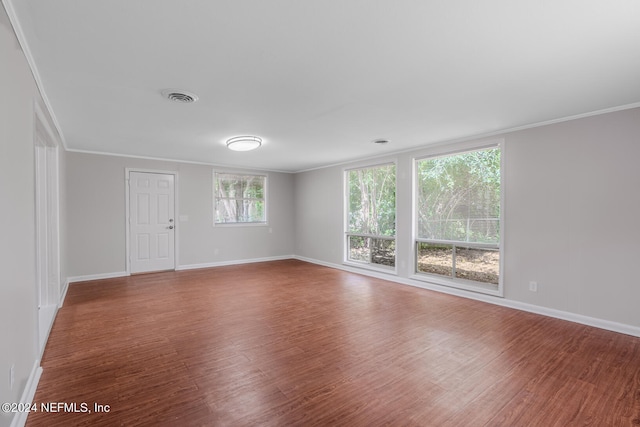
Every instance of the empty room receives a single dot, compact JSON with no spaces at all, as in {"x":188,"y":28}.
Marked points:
{"x":319,"y":213}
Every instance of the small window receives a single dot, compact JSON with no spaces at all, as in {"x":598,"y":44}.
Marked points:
{"x":239,"y":199}
{"x":458,"y":216}
{"x":371,"y":216}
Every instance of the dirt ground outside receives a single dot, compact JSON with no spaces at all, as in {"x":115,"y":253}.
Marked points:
{"x":480,"y":265}
{"x":472,"y":264}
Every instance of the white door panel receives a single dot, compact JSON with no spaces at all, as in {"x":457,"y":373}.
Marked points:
{"x":152,"y":225}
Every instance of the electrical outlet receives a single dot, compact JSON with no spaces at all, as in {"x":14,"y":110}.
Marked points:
{"x":12,"y":376}
{"x":533,"y":286}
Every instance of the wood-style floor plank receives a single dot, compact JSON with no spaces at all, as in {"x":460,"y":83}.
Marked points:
{"x":292,"y":343}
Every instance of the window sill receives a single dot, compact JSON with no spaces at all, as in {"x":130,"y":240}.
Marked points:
{"x":240,"y":224}
{"x":372,"y":267}
{"x":467,"y":285}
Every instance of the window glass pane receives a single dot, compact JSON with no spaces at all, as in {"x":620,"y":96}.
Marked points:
{"x":254,"y":188}
{"x":359,"y":248}
{"x":459,"y":197}
{"x":254,"y":210}
{"x":383,"y":252}
{"x":480,"y":265}
{"x":226,"y":210}
{"x":229,"y":185}
{"x":372,"y":200}
{"x":435,"y":259}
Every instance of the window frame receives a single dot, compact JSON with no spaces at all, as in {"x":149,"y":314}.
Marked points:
{"x":456,"y":282}
{"x":347,"y":234}
{"x":265,"y":198}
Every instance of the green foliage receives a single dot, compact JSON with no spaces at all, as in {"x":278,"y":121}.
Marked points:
{"x":372,"y":200}
{"x":459,"y":197}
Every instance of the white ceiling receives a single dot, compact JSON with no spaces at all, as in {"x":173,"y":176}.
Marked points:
{"x":319,"y":80}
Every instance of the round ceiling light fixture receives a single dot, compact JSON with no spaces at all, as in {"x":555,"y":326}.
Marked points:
{"x":244,"y":143}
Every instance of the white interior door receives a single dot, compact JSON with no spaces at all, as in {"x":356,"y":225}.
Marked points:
{"x":151,"y":222}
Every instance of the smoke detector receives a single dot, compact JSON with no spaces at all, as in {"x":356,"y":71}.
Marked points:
{"x":182,"y":96}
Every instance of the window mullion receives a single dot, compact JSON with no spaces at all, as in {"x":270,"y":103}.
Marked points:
{"x":453,"y":261}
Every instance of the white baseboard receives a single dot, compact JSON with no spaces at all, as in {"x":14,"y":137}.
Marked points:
{"x":545,"y":311}
{"x":46,"y":316}
{"x":88,"y":277}
{"x":63,"y":294}
{"x":233,"y":262}
{"x":576,"y":318}
{"x":20,"y":418}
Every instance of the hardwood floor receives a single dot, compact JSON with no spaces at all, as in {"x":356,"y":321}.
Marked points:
{"x":292,"y":343}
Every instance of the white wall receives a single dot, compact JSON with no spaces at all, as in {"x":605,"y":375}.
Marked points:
{"x":96,"y":236}
{"x":319,"y":214}
{"x":571,"y":212}
{"x":572,"y":207}
{"x":18,"y":297}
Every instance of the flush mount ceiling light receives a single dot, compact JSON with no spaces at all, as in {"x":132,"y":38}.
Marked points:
{"x":180,"y":96}
{"x":244,"y":143}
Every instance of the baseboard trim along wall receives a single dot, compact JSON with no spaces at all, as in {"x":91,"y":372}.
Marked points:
{"x":63,"y":294}
{"x":531,"y":308}
{"x":234,"y":262}
{"x":88,"y":277}
{"x":46,"y":316}
{"x":20,"y":418}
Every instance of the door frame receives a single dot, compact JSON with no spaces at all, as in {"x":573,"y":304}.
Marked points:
{"x":47,"y":224}
{"x":127,"y":173}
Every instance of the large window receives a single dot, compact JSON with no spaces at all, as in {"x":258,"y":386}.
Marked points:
{"x":458,"y":216}
{"x":239,"y":199}
{"x":371,"y":215}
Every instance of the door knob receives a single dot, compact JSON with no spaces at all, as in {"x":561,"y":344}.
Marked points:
{"x":170,"y":227}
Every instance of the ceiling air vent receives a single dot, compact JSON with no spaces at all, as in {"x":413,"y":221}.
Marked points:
{"x":180,"y":96}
